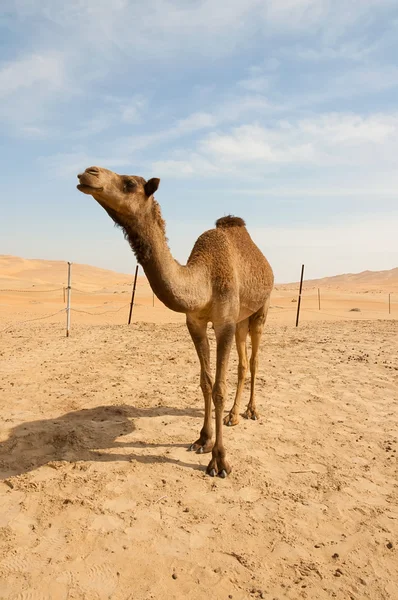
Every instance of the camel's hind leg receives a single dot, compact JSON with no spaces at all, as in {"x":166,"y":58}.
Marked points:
{"x":242,"y":329}
{"x":198,"y":331}
{"x":256,"y":327}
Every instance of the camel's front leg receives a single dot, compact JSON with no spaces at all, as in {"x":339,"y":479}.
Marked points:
{"x":198,"y":331}
{"x":224,"y":335}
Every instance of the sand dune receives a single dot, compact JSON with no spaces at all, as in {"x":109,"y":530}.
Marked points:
{"x":366,"y":280}
{"x":18,"y":270}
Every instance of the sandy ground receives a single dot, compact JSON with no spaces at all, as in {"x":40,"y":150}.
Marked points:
{"x":99,"y":498}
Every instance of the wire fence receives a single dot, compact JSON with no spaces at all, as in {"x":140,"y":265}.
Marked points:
{"x":19,"y":306}
{"x":73,"y":303}
{"x":30,"y":290}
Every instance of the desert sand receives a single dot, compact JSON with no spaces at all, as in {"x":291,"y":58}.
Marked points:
{"x":99,"y":498}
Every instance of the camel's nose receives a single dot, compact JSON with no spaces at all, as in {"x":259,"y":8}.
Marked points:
{"x":92,"y":171}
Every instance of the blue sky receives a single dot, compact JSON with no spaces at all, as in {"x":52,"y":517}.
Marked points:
{"x":282,"y":112}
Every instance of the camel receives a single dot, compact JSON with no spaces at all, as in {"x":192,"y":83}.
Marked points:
{"x":227,"y":282}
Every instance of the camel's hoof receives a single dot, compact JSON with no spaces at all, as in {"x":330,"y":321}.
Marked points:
{"x":231,"y":420}
{"x":212,"y":473}
{"x":200,"y":447}
{"x":253,"y":415}
{"x":222,"y":474}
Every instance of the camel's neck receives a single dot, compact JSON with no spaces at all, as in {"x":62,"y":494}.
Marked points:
{"x":179,"y":287}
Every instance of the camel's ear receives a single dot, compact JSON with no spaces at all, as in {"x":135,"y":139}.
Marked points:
{"x":151,"y":186}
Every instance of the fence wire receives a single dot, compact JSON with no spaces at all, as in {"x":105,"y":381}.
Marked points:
{"x":34,"y":319}
{"x":30,"y":291}
{"x":86,"y":312}
{"x":76,"y":292}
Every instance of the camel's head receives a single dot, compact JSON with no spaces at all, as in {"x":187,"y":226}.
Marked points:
{"x":123,"y":194}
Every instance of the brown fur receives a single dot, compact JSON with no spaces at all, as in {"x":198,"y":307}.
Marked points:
{"x":226,"y":281}
{"x":230,"y":221}
{"x":139,"y":242}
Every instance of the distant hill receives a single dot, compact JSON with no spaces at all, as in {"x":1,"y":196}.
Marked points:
{"x":20,"y":273}
{"x":365,"y":280}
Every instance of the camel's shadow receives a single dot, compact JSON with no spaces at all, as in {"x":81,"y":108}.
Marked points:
{"x":82,"y":435}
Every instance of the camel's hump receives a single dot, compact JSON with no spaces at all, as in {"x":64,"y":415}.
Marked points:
{"x":230,"y":221}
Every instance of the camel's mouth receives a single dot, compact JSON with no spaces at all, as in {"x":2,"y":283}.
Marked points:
{"x":88,"y":189}
{"x":86,"y":179}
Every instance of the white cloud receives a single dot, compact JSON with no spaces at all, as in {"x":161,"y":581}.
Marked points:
{"x":70,"y":164}
{"x":33,"y":132}
{"x":227,"y":111}
{"x":253,"y":143}
{"x":352,"y":51}
{"x":160,"y":28}
{"x":329,"y":20}
{"x":29,"y":88}
{"x":101,"y":37}
{"x":22,"y":74}
{"x":130,"y":114}
{"x":97,"y":124}
{"x":179,"y":168}
{"x":295,"y":14}
{"x":114,"y":112}
{"x":305,"y":190}
{"x":257,"y":84}
{"x":367,"y":79}
{"x":347,"y":140}
{"x":337,"y":128}
{"x":167,"y":27}
{"x":195,"y":122}
{"x":131,"y":110}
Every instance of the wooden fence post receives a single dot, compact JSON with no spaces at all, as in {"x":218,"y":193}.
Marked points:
{"x":133,"y":294}
{"x":69,"y":289}
{"x":299,"y":298}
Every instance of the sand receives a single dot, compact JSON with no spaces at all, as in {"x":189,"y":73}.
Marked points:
{"x":99,"y":497}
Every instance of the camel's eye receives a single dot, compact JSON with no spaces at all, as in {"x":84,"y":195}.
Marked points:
{"x":129,"y":185}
